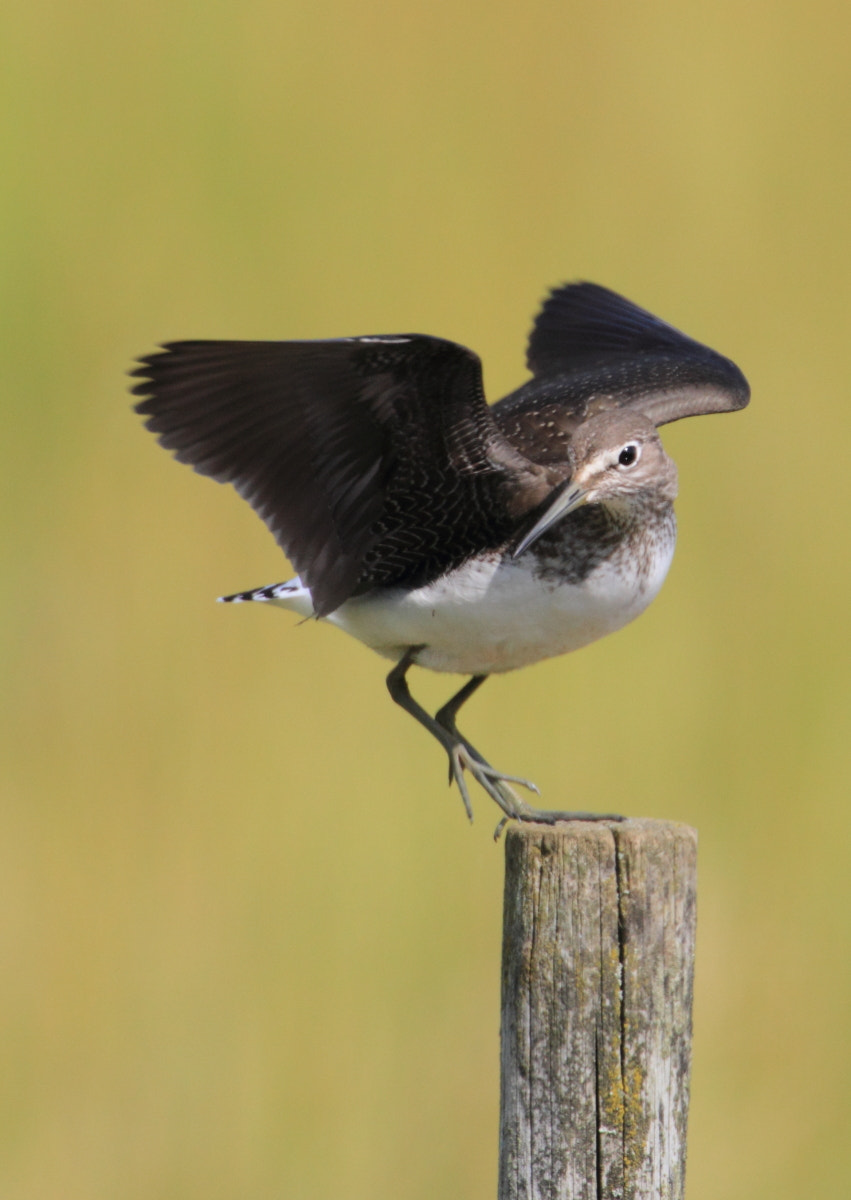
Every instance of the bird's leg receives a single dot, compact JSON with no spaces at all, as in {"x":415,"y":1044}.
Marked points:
{"x":498,"y":779}
{"x":397,"y":685}
{"x":463,"y":756}
{"x":446,"y":717}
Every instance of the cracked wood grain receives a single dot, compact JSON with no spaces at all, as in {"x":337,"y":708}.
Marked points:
{"x":597,"y":970}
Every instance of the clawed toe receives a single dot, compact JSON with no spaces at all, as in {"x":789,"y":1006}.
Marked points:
{"x":495,"y":783}
{"x":492,"y":773}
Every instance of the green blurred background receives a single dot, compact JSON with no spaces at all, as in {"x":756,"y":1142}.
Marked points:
{"x":249,"y":946}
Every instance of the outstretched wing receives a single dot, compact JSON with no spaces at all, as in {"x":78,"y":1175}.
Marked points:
{"x":372,"y":460}
{"x":591,"y":350}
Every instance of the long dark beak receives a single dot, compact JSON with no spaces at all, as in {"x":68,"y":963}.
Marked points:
{"x":572,"y":497}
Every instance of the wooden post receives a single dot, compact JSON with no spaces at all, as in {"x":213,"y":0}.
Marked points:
{"x":597,"y":969}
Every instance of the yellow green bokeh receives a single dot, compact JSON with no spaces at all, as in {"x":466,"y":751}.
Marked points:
{"x":249,"y":946}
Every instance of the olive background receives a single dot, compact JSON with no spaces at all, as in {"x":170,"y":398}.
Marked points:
{"x":249,"y":945}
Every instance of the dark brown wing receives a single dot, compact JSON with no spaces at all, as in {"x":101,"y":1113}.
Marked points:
{"x":591,"y":350}
{"x":373,"y":460}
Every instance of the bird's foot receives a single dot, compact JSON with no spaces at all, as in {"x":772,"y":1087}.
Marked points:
{"x":494,"y":782}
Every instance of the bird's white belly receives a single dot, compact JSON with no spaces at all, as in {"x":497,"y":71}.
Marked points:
{"x":496,"y":615}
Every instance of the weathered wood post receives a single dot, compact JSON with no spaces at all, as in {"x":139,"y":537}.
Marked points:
{"x":597,"y":970}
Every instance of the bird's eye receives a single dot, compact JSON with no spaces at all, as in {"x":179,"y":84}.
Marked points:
{"x":628,"y":457}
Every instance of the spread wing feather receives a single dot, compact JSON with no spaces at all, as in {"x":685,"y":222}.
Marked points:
{"x":591,"y":350}
{"x":372,"y":460}
{"x":376,"y":461}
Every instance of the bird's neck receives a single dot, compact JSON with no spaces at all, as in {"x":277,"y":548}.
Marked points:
{"x":631,"y":513}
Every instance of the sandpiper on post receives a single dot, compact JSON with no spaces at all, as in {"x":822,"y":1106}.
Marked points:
{"x":439,"y":531}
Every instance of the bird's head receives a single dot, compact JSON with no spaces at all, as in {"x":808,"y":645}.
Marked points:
{"x":616,"y":459}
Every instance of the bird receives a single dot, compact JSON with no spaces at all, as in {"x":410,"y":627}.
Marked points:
{"x":439,"y":530}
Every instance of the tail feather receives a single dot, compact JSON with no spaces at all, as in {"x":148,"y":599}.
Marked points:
{"x":293,"y":589}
